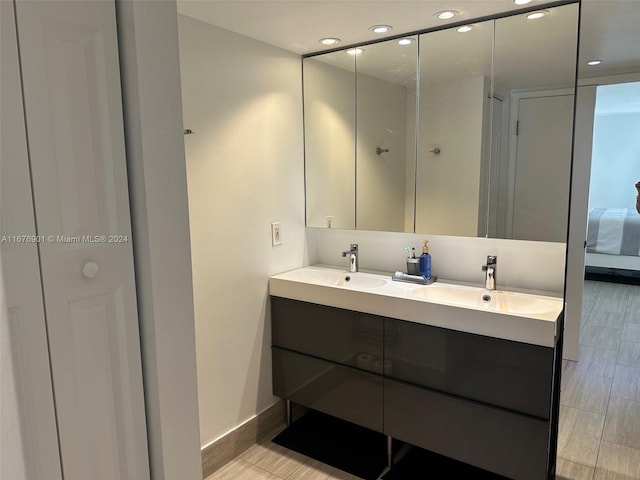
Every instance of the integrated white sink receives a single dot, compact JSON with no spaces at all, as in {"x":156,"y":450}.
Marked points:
{"x":337,"y":278}
{"x":508,"y":302}
{"x":361,"y":280}
{"x":322,"y":276}
{"x":520,"y":316}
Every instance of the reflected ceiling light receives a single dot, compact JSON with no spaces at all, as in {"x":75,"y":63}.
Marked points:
{"x":537,"y":14}
{"x":521,"y":2}
{"x":405,"y":41}
{"x":355,"y":51}
{"x":445,"y":14}
{"x":464,"y":29}
{"x":329,"y":41}
{"x":593,"y":63}
{"x":381,"y":28}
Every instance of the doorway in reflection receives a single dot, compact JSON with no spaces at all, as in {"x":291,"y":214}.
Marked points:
{"x":613,"y":229}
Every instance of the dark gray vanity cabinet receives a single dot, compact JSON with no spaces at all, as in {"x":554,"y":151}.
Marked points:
{"x":489,"y":438}
{"x":488,"y":402}
{"x":481,"y":400}
{"x":502,"y":373}
{"x":333,"y":334}
{"x":328,"y":359}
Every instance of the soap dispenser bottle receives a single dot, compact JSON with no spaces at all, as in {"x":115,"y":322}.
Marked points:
{"x":425,"y":262}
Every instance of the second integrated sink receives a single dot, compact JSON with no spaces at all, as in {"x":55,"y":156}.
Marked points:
{"x":497,"y":300}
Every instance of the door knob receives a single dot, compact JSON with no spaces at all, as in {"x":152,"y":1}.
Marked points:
{"x":90,"y":269}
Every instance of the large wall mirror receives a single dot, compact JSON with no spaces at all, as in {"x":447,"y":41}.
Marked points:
{"x":330,"y":135}
{"x":455,"y":87}
{"x":386,"y":96}
{"x":534,"y":72}
{"x":360,"y":136}
{"x":461,"y":131}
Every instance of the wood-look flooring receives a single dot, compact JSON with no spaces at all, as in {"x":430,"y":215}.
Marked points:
{"x":599,"y":435}
{"x":268,"y":461}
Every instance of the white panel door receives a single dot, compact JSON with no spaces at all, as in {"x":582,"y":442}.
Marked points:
{"x":73,"y":109}
{"x":28,"y":437}
{"x":543,"y":164}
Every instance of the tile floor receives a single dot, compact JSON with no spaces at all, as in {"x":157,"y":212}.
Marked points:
{"x":268,"y":461}
{"x":599,"y":437}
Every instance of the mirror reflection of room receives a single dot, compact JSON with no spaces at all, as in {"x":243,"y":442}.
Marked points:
{"x":454,"y":126}
{"x":469,"y":135}
{"x":329,"y":119}
{"x":385,"y":119}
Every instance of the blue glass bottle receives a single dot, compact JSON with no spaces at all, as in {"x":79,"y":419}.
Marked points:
{"x":425,"y":262}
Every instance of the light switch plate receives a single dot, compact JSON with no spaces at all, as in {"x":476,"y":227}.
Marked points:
{"x":276,"y":233}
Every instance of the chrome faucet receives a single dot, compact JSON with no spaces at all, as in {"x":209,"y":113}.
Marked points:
{"x":490,"y":272}
{"x":352,"y":253}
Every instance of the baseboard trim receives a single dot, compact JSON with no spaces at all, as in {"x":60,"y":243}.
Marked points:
{"x":228,"y":447}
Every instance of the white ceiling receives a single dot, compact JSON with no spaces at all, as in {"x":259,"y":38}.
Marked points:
{"x":297,"y":25}
{"x":527,"y":54}
{"x":610,"y":28}
{"x":610,"y":31}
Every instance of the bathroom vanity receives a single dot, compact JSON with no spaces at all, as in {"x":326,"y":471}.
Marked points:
{"x":438,"y":366}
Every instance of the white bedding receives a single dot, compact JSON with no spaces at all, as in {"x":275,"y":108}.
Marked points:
{"x":614,"y":262}
{"x":613,"y":231}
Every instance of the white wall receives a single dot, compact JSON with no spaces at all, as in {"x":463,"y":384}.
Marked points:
{"x":13,"y":144}
{"x":12,"y":458}
{"x":448,"y":185}
{"x":150,"y":70}
{"x":521,"y":265}
{"x":585,"y":102}
{"x":28,"y":431}
{"x":245,"y":170}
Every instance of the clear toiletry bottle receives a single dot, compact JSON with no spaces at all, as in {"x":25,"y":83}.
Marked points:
{"x":413,"y":262}
{"x":425,"y":262}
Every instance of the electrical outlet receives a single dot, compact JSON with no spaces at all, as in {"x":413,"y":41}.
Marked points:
{"x":276,"y":233}
{"x":329,"y":221}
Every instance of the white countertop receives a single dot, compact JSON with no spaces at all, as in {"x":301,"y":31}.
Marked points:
{"x":532,"y":320}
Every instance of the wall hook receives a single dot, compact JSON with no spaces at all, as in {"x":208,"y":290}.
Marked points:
{"x":188,"y":131}
{"x":380,"y":151}
{"x":435,"y":151}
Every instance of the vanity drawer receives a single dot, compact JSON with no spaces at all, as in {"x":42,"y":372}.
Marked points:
{"x":340,"y":391}
{"x":512,"y":375}
{"x":489,"y":438}
{"x":343,"y":336}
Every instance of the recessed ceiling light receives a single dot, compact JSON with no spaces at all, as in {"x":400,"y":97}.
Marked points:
{"x":405,"y":41}
{"x":536,"y":15}
{"x":381,"y":28}
{"x":593,"y":63}
{"x":445,"y":14}
{"x":329,"y":41}
{"x":464,"y":29}
{"x":355,"y":51}
{"x":521,"y":2}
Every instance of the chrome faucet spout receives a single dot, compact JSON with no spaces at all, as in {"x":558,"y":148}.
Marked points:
{"x":352,"y":254}
{"x":490,"y":272}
